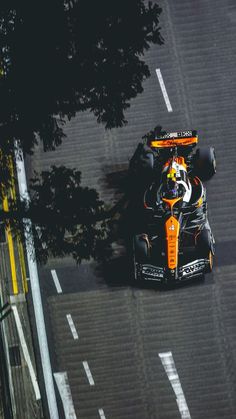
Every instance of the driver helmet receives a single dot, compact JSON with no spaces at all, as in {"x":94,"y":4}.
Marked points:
{"x":171,"y":189}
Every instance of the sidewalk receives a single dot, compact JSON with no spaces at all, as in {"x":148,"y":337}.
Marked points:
{"x":23,"y":391}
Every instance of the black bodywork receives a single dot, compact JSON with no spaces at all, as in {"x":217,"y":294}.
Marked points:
{"x":149,"y":241}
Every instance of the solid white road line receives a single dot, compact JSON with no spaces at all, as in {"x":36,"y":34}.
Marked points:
{"x":56,"y":281}
{"x":163,"y":89}
{"x":26,"y":352}
{"x":88,"y":373}
{"x":11,"y":387}
{"x":101,"y":414}
{"x":35,"y":290}
{"x":62,"y":381}
{"x":72,"y":326}
{"x":170,"y":369}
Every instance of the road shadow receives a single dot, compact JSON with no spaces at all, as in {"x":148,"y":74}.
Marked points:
{"x":115,"y":177}
{"x":113,"y":181}
{"x":119,"y":273}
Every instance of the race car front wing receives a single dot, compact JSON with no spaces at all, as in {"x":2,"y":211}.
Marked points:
{"x":162,"y":275}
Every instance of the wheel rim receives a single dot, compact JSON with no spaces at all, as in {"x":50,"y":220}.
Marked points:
{"x":214,"y":165}
{"x":210,"y":260}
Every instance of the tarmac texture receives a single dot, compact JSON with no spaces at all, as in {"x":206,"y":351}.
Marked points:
{"x":123,"y":328}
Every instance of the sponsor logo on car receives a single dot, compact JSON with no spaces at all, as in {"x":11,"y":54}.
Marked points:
{"x":152,"y":272}
{"x":178,"y":134}
{"x":191,"y":268}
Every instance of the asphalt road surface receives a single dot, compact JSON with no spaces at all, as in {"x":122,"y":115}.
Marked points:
{"x":133,"y":352}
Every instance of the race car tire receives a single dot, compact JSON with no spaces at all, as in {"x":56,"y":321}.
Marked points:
{"x":204,"y":242}
{"x":205,"y":250}
{"x":146,"y":165}
{"x":143,"y":159}
{"x":147,"y":161}
{"x":141,"y":249}
{"x":205,"y":163}
{"x":141,"y":168}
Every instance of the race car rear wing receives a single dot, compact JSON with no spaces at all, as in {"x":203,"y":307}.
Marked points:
{"x":173,"y":139}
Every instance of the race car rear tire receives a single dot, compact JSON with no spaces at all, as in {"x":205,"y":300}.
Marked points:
{"x":141,"y":168}
{"x":205,"y":163}
{"x":146,"y":165}
{"x":142,"y":160}
{"x":147,"y":161}
{"x":141,"y":249}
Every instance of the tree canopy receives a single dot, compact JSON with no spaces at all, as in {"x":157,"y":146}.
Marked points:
{"x":60,"y":57}
{"x":70,"y":219}
{"x":66,"y":218}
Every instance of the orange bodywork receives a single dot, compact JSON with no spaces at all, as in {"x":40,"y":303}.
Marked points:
{"x":179,"y":160}
{"x":171,"y":202}
{"x":172,"y":228}
{"x":173,"y":142}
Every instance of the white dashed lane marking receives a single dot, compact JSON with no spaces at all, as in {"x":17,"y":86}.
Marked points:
{"x":170,"y":369}
{"x":163,"y":89}
{"x":72,"y":326}
{"x":62,"y":381}
{"x":101,"y":414}
{"x":56,"y":281}
{"x":88,"y":373}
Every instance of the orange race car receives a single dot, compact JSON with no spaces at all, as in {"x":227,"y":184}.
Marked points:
{"x":172,"y":239}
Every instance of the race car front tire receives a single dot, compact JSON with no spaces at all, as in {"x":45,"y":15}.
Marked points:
{"x":205,"y":247}
{"x":141,"y":249}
